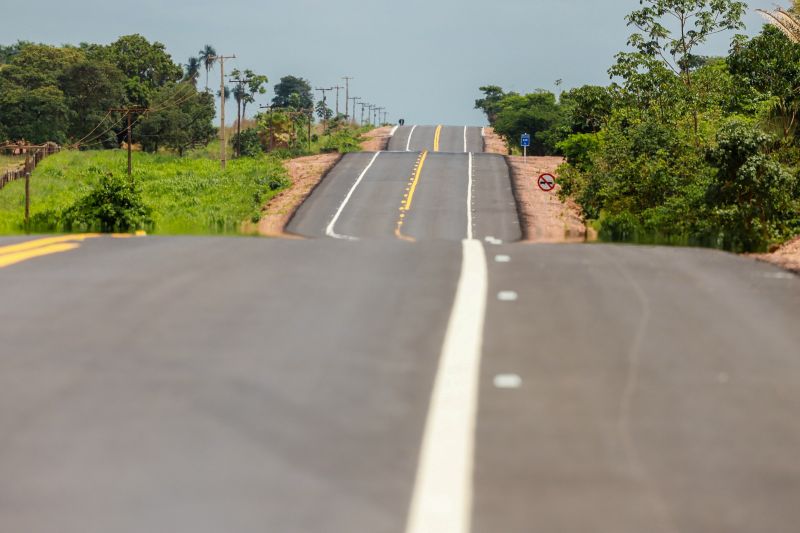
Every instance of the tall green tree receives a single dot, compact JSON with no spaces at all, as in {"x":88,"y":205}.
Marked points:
{"x":670,"y":32}
{"x":147,"y":66}
{"x":208,"y":57}
{"x":293,"y":92}
{"x":192,"y":70}
{"x":181,"y":120}
{"x":91,"y":88}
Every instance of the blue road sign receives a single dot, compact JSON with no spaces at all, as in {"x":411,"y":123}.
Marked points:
{"x":526,"y":140}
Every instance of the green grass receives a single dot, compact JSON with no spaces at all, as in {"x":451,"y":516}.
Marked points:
{"x":187,"y":195}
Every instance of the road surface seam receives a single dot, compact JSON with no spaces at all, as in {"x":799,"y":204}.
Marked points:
{"x":443,"y":491}
{"x":330,"y":230}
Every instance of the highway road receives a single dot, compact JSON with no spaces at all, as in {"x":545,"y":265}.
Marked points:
{"x":429,"y":376}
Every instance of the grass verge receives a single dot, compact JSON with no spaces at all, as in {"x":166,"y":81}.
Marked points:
{"x":187,"y":195}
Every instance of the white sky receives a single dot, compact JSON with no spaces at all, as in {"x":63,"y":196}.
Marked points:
{"x":422,"y":59}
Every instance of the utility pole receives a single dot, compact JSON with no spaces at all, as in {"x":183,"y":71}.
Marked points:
{"x":129,"y":111}
{"x":378,"y":118}
{"x":337,"y":87}
{"x":354,"y":99}
{"x":238,"y":96}
{"x":385,"y":114}
{"x":347,"y":98}
{"x":222,"y":152}
{"x":363,"y":105}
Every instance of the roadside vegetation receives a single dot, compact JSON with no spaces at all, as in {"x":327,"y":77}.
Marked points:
{"x":680,"y":148}
{"x":77,"y":96}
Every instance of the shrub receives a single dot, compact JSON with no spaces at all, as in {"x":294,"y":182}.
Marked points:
{"x":114,"y":205}
{"x":251,"y":144}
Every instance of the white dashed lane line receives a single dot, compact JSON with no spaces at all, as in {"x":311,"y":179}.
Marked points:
{"x":507,"y":296}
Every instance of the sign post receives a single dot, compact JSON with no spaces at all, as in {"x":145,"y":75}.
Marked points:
{"x":525,"y":142}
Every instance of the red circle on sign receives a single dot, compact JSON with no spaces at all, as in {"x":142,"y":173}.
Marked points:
{"x":547,"y":182}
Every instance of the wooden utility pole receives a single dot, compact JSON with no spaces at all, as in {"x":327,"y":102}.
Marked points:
{"x":338,"y":88}
{"x":354,"y":99}
{"x":347,"y":98}
{"x":379,"y":111}
{"x":28,"y":171}
{"x":223,"y":142}
{"x":129,"y":111}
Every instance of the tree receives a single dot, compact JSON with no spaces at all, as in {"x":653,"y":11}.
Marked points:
{"x":751,"y":195}
{"x":770,"y":64}
{"x":181,"y":120}
{"x":490,"y":103}
{"x":91,"y":89}
{"x":536,"y":113}
{"x":293,"y":92}
{"x":695,"y":20}
{"x":192,"y":69}
{"x":249,"y":85}
{"x":323,"y":111}
{"x":39,"y":115}
{"x":147,"y":66}
{"x":208,"y":57}
{"x":588,"y":107}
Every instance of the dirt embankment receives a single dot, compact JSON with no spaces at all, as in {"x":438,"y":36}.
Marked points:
{"x":543,"y":217}
{"x":787,"y":256}
{"x":377,"y":140}
{"x":305,"y":174}
{"x":493,"y":143}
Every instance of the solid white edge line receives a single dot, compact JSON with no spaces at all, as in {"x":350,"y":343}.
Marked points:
{"x":469,"y":199}
{"x":329,"y":231}
{"x":465,"y":139}
{"x":408,"y":144}
{"x":443,"y":491}
{"x":394,"y":130}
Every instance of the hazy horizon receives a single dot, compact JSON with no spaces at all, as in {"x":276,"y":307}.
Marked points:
{"x":423,"y":61}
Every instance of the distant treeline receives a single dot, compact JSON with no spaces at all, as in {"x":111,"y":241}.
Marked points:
{"x":680,"y":148}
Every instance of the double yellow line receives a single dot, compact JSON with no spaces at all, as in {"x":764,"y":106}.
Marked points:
{"x":436,"y":137}
{"x":17,"y":253}
{"x":405,"y":206}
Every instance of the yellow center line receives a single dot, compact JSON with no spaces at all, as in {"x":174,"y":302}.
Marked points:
{"x":407,"y":203}
{"x":436,"y":137}
{"x":409,"y":198}
{"x":47,"y":241}
{"x":18,"y":257}
{"x":16,"y":253}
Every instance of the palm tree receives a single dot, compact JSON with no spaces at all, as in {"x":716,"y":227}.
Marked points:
{"x":193,"y":70}
{"x":786,"y":21}
{"x":208,"y":56}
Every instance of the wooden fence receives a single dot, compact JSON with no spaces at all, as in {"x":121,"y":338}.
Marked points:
{"x":33,"y":156}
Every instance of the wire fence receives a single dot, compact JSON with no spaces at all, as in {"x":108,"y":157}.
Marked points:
{"x":33,"y":156}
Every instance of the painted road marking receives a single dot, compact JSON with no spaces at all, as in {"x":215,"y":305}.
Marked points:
{"x":502,"y":258}
{"x":394,"y":130}
{"x":436,"y":137}
{"x":442,"y":497}
{"x":469,"y":196}
{"x":408,"y":198}
{"x":329,"y":231}
{"x":491,"y":240}
{"x":408,"y":144}
{"x":507,"y":296}
{"x":18,"y":257}
{"x":17,"y":253}
{"x":779,"y":275}
{"x":465,"y":139}
{"x":507,"y":381}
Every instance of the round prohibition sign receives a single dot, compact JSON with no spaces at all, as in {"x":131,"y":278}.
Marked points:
{"x":547,"y":182}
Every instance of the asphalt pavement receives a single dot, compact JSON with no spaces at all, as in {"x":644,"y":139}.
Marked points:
{"x":389,"y":377}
